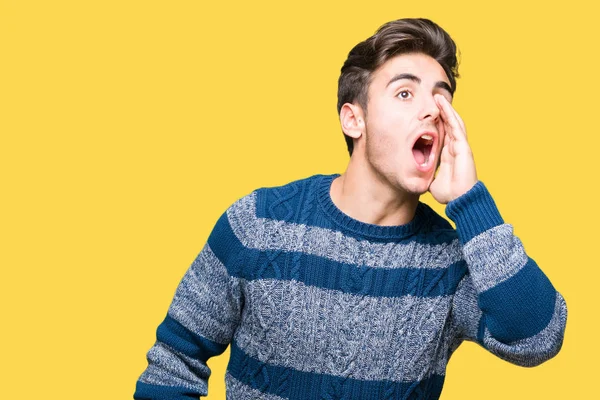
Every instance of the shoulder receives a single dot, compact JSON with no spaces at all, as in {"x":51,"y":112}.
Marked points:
{"x":436,"y":226}
{"x":247,"y":215}
{"x":284,"y":202}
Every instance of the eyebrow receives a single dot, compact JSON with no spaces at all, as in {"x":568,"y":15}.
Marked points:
{"x":414,"y":78}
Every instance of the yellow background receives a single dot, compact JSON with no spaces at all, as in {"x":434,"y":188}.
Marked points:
{"x":128,"y":127}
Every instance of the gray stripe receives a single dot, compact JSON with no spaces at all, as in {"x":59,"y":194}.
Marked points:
{"x":271,"y":234}
{"x":534,"y":350}
{"x":236,"y":390}
{"x":207,"y":300}
{"x":466,"y":312}
{"x":311,"y":329}
{"x":494,"y":256}
{"x":167,"y":367}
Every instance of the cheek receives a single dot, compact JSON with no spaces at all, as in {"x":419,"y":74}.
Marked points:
{"x":381,"y":147}
{"x":386,"y":114}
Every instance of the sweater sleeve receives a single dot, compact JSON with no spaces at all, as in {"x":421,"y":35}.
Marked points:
{"x":505,"y":302}
{"x":199,"y":324}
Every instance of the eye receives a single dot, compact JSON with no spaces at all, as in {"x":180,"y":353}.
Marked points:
{"x":404,"y":95}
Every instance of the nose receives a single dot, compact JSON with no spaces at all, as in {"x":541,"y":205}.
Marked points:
{"x":429,"y":109}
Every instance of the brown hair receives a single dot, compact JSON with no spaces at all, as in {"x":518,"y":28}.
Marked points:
{"x":409,"y":35}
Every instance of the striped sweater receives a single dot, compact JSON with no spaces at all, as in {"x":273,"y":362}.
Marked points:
{"x":318,"y":305}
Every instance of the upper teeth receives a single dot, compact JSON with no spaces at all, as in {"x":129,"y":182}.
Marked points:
{"x":426,"y":137}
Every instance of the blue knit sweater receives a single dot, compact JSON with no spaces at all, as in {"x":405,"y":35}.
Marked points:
{"x":317,"y":305}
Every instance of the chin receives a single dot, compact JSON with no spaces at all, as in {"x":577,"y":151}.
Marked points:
{"x":417,"y":186}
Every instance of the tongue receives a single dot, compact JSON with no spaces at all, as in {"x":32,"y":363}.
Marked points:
{"x":419,"y":156}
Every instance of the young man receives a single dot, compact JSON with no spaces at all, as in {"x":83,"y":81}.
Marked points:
{"x":346,"y":286}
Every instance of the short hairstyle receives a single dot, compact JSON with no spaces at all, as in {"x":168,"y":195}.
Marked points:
{"x":402,"y":36}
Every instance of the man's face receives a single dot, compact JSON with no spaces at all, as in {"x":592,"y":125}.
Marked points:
{"x":404,"y":131}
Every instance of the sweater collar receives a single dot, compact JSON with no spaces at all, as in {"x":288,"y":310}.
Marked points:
{"x":362,"y":228}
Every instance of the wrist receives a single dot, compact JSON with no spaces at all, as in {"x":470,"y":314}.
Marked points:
{"x":473,"y":212}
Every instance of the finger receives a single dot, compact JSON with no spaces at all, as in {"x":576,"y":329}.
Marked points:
{"x":462,"y":133}
{"x":446,"y":123}
{"x":446,"y":151}
{"x":452,"y":118}
{"x":460,"y":120}
{"x":446,"y":112}
{"x":447,"y":128}
{"x":446,"y":147}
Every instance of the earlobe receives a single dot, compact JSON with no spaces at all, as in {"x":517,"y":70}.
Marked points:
{"x":351,"y":120}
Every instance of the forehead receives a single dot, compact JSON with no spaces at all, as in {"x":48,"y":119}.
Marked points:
{"x":418,"y":64}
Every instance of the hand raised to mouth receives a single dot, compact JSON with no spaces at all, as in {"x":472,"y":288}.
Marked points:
{"x":456,"y":173}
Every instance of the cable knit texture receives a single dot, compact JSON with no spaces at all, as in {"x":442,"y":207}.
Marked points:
{"x":318,"y":305}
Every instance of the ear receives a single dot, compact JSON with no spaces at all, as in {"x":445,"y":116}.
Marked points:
{"x":352,"y":120}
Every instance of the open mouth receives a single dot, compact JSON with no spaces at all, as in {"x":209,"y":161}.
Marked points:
{"x":422,"y":149}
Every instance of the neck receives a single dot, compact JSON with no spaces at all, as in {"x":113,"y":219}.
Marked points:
{"x":363,"y":194}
